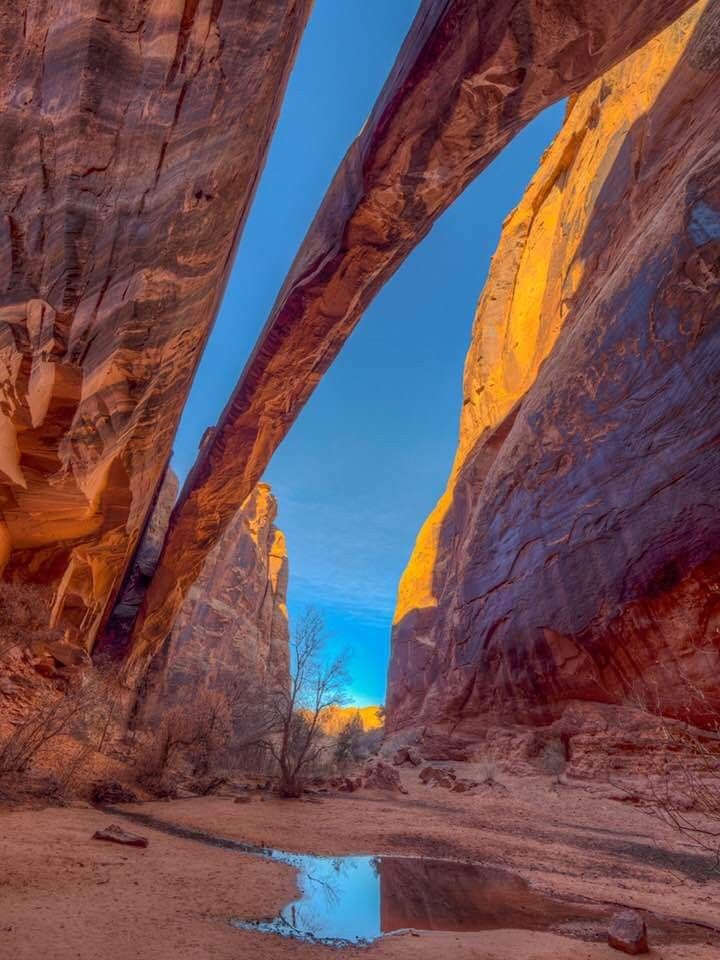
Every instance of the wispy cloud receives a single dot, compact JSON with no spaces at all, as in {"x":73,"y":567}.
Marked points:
{"x":347,"y":560}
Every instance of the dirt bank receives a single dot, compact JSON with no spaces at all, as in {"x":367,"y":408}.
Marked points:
{"x":67,"y":897}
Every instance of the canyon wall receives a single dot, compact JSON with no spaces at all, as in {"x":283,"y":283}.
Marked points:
{"x":132,"y":139}
{"x":233,"y":625}
{"x":116,"y":636}
{"x":468,"y":77}
{"x":575,"y":554}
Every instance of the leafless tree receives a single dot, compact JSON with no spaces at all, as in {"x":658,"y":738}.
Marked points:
{"x":683,"y":788}
{"x":349,"y":742}
{"x":297,"y":709}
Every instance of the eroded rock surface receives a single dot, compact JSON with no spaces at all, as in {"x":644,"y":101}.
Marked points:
{"x":468,"y":77}
{"x":233,"y":625}
{"x":132,"y":138}
{"x":575,"y":555}
{"x":115,"y":638}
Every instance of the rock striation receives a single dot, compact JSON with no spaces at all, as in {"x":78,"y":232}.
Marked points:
{"x":233,"y":625}
{"x":132,"y":138}
{"x":575,"y":554}
{"x":468,"y":77}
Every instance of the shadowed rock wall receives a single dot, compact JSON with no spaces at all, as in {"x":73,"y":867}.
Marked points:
{"x":575,"y":554}
{"x":233,"y":625}
{"x":132,"y":137}
{"x":470,"y":74}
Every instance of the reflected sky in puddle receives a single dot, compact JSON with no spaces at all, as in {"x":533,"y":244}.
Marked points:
{"x":358,"y":899}
{"x":339,"y":900}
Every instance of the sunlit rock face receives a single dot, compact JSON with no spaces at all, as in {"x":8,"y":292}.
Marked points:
{"x":576,"y":551}
{"x":233,"y":624}
{"x":468,"y":77}
{"x":132,"y":136}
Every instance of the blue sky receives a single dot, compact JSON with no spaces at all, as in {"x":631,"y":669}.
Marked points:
{"x":370,"y":454}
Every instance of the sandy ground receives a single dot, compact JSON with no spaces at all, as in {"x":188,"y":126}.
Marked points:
{"x":64,"y":896}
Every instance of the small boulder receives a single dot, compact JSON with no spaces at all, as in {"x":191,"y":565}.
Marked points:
{"x":381,"y":776}
{"x":110,"y":791}
{"x":407,"y":755}
{"x":414,"y":756}
{"x":350,"y":784}
{"x":435,"y":774}
{"x":242,"y":800}
{"x":627,"y":932}
{"x":463,"y":786}
{"x":116,"y":834}
{"x":68,"y":655}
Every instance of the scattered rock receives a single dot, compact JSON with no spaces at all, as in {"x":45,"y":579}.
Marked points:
{"x":433,"y":775}
{"x":350,"y":784}
{"x":379,"y":775}
{"x":116,"y":834}
{"x":407,"y":755}
{"x":68,"y":655}
{"x":627,"y":932}
{"x":110,"y":791}
{"x":204,"y":786}
{"x":463,"y":786}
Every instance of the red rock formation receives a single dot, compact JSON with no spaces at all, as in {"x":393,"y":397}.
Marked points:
{"x":233,"y":623}
{"x":132,"y":137}
{"x":575,"y":555}
{"x":114,"y":641}
{"x":468,"y":77}
{"x":335,"y":718}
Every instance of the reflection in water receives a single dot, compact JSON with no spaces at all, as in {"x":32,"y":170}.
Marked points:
{"x":339,"y":900}
{"x":357,"y":899}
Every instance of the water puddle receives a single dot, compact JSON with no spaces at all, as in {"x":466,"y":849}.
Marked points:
{"x":357,"y":899}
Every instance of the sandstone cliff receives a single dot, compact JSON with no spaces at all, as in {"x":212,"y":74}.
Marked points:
{"x":335,"y":718}
{"x":132,"y":138}
{"x":233,"y":624}
{"x":575,"y":554}
{"x":468,"y":77}
{"x":116,"y":636}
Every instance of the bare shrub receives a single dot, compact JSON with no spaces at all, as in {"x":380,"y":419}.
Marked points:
{"x":61,"y":714}
{"x":683,"y":786}
{"x":488,"y":772}
{"x":370,"y":742}
{"x":553,"y":759}
{"x":349,"y":742}
{"x":24,"y":617}
{"x":296,"y":740}
{"x":354,"y":744}
{"x":194,"y":735}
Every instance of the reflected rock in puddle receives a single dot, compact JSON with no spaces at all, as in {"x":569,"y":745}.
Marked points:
{"x":358,"y":899}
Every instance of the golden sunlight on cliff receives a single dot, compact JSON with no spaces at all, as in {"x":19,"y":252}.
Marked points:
{"x":334,"y":719}
{"x":536,"y":272}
